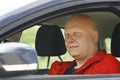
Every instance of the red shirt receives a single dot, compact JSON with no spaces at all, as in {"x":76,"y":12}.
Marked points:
{"x":101,"y":63}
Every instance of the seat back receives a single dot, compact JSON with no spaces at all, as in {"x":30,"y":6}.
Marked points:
{"x":115,"y":42}
{"x":49,"y":42}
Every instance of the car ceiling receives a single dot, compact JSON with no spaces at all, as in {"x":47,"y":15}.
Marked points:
{"x":106,"y":21}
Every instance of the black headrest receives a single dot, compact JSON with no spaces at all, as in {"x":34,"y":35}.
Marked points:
{"x":50,"y":41}
{"x":115,"y":42}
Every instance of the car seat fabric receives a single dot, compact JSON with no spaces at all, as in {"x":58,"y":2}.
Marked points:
{"x":115,"y":42}
{"x":50,"y":41}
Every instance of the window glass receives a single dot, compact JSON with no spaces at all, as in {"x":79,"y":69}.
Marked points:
{"x":108,"y":46}
{"x":28,"y":36}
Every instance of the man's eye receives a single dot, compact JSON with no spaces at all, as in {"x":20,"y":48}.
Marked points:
{"x":77,"y":34}
{"x":66,"y":36}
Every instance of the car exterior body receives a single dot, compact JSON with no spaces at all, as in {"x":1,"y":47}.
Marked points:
{"x":105,"y":12}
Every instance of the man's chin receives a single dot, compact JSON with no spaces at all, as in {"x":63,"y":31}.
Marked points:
{"x":74,"y":55}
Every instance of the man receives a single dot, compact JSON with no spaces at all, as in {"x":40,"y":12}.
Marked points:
{"x":81,"y":39}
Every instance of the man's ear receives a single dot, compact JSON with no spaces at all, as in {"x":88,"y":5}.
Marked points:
{"x":95,"y":34}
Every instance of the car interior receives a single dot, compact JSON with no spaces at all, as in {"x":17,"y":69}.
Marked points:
{"x":51,"y":42}
{"x":49,"y":37}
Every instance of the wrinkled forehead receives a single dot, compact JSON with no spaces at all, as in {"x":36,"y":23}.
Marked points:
{"x":80,"y":21}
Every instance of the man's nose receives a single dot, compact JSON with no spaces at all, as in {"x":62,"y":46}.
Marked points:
{"x":70,"y":39}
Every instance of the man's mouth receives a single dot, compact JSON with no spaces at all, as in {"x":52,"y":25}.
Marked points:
{"x":73,"y":47}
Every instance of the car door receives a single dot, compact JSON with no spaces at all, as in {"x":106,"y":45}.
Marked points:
{"x":105,"y":12}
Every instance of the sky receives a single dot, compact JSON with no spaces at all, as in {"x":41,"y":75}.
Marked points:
{"x":9,"y":5}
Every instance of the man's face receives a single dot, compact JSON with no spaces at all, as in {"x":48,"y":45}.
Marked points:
{"x":80,"y":40}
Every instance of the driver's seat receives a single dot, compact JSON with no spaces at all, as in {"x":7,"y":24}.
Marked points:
{"x":49,"y":42}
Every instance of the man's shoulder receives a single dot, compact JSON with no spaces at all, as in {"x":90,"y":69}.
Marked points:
{"x":107,"y":64}
{"x":109,"y":59}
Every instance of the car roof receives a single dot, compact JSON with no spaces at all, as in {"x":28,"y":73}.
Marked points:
{"x":32,"y":6}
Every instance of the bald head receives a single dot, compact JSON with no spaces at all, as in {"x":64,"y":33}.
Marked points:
{"x":81,"y":37}
{"x":82,"y":21}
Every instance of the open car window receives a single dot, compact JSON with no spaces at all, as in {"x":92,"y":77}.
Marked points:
{"x":102,"y":19}
{"x":23,"y":29}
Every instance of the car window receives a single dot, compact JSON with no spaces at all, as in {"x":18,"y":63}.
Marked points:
{"x":28,"y":36}
{"x":108,"y":46}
